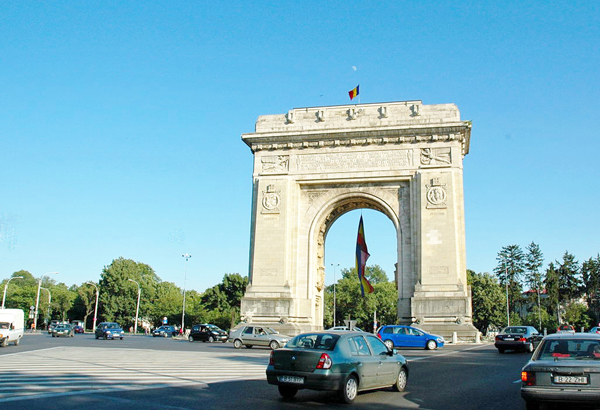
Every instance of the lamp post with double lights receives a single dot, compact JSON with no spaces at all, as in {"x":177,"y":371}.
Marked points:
{"x":96,"y":307}
{"x":6,"y":287}
{"x":37,"y":300}
{"x":334,"y":291}
{"x":137,"y":309}
{"x":187,"y":256}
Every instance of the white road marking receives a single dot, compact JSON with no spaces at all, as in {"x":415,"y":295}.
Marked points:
{"x":66,"y":371}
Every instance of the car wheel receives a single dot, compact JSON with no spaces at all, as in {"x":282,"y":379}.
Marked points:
{"x":274,"y":345}
{"x":105,"y":337}
{"x":248,"y":346}
{"x":287,"y":391}
{"x":97,"y":337}
{"x":121,"y":338}
{"x":17,"y":341}
{"x":211,"y":339}
{"x":500,"y":350}
{"x":53,"y":335}
{"x":389,"y":344}
{"x":190,"y":339}
{"x":401,"y":380}
{"x":431,"y":345}
{"x":349,"y":390}
{"x":237,"y":343}
{"x":164,"y":334}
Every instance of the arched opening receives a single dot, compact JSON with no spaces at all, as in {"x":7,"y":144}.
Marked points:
{"x":340,"y":246}
{"x":343,"y":203}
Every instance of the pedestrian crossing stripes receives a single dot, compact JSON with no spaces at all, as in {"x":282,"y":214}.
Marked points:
{"x":81,"y":370}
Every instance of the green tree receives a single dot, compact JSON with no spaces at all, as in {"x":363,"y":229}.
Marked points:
{"x":569,"y":279}
{"x":590,"y":273}
{"x":534,"y":260}
{"x":552,"y":291}
{"x":510,"y":269}
{"x":488,"y":300}
{"x":62,"y":300}
{"x":351,"y":305}
{"x":167,"y":302}
{"x":118,"y":295}
{"x":575,"y":314}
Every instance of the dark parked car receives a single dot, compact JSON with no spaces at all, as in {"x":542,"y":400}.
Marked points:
{"x":207,"y":333}
{"x":63,"y":331}
{"x":165,"y":331}
{"x":345,"y":362}
{"x":78,"y":329}
{"x":109,"y":330}
{"x":408,"y":336}
{"x":524,"y":338}
{"x":565,"y":368}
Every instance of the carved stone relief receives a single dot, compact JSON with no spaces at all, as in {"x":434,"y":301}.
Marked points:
{"x":277,"y":164}
{"x":436,"y":156}
{"x":436,"y":195}
{"x":271,"y":200}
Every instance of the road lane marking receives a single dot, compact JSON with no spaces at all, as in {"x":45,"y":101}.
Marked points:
{"x":67,"y":371}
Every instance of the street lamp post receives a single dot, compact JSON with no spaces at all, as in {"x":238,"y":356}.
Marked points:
{"x":187,"y":256}
{"x":334,"y":292}
{"x":37,"y":300}
{"x":96,"y":307}
{"x":137,"y":309}
{"x":6,"y":287}
{"x":507,"y":308}
{"x":49,"y":301}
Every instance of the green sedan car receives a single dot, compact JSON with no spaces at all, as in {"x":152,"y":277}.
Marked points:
{"x":344,"y":362}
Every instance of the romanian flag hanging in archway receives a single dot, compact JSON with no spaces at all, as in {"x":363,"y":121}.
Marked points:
{"x":362,"y":254}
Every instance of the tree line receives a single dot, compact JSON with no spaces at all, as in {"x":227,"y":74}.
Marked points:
{"x":522,"y":291}
{"x":118,"y":290}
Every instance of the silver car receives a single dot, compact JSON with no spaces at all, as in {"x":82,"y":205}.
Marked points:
{"x":565,"y":368}
{"x":255,"y":335}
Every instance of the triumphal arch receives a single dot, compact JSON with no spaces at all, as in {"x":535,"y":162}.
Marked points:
{"x":312,"y":165}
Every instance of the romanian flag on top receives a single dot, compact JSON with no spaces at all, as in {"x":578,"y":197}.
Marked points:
{"x":353,"y":93}
{"x":362,"y":254}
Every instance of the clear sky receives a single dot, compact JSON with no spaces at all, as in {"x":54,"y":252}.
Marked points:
{"x":120,"y":123}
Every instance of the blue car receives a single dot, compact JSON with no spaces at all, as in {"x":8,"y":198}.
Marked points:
{"x":408,"y":336}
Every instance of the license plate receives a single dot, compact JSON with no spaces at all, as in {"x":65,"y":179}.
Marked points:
{"x":509,"y":338}
{"x":570,"y":379}
{"x":291,"y":379}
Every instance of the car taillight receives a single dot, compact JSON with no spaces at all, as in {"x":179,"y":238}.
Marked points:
{"x":528,"y":378}
{"x":271,"y":362}
{"x":522,"y":339}
{"x":498,"y":338}
{"x":325,"y":362}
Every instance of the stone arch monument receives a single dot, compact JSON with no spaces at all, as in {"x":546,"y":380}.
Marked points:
{"x":312,"y":165}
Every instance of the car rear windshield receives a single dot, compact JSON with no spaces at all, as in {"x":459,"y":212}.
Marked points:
{"x":321,"y":341}
{"x":517,"y":330}
{"x":570,"y":349}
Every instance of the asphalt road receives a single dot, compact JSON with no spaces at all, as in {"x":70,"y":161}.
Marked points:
{"x":142,"y":372}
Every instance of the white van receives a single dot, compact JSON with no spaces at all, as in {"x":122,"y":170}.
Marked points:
{"x":12,"y":326}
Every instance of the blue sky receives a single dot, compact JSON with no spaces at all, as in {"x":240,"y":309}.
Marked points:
{"x":120,"y":123}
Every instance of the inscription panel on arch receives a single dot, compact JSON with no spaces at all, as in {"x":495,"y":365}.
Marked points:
{"x":353,"y":161}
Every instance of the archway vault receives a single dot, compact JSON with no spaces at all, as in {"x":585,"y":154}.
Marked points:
{"x":313,"y":165}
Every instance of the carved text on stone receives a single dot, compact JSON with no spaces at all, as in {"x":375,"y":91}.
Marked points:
{"x":349,"y":161}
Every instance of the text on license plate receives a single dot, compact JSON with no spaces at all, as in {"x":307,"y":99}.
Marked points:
{"x":571,"y":379}
{"x":291,"y":379}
